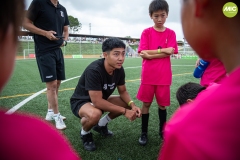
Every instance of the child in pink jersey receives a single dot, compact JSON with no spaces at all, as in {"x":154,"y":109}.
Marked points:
{"x":157,"y":43}
{"x":24,"y":136}
{"x":209,"y":127}
{"x":214,"y":73}
{"x":188,"y":92}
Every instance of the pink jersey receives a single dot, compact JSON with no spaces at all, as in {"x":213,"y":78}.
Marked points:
{"x":215,"y":72}
{"x":157,"y":71}
{"x":207,"y":128}
{"x":28,"y":137}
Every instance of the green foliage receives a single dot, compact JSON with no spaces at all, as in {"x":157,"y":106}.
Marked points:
{"x":75,"y":25}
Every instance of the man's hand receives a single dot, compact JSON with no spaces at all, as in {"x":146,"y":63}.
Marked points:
{"x":145,"y":55}
{"x":130,"y":114}
{"x":50,"y":35}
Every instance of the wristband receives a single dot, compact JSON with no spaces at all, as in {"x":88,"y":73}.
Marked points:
{"x":159,"y":50}
{"x":130,"y":103}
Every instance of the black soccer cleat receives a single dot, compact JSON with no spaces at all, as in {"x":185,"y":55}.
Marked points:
{"x":88,"y":143}
{"x":103,"y":130}
{"x":161,"y":135}
{"x":143,"y":139}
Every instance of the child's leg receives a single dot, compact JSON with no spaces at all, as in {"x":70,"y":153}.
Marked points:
{"x":162,"y":114}
{"x":163,"y":99}
{"x":145,"y":94}
{"x":145,"y":116}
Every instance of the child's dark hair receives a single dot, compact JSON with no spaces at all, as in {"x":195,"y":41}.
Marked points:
{"x":157,"y":5}
{"x":111,"y":43}
{"x":12,"y":13}
{"x":187,"y":91}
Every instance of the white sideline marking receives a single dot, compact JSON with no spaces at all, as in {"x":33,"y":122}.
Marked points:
{"x":19,"y":105}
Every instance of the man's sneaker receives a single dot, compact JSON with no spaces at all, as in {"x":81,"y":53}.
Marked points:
{"x":103,"y":130}
{"x":49,"y":116}
{"x":88,"y":142}
{"x":59,"y":122}
{"x":143,"y":139}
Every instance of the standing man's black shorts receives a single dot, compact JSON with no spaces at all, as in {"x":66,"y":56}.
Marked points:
{"x":51,"y":65}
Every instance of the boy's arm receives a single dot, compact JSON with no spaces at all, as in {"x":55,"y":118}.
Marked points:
{"x":169,"y":51}
{"x":145,"y":55}
{"x":158,"y":53}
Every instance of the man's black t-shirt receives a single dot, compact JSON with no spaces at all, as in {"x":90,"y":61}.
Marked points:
{"x":96,"y":78}
{"x":46,"y":16}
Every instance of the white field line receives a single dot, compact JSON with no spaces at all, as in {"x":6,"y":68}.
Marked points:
{"x":19,"y":105}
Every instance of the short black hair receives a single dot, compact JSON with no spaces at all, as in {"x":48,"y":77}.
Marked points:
{"x":11,"y":13}
{"x":187,"y":91}
{"x":157,"y":5}
{"x":111,"y":43}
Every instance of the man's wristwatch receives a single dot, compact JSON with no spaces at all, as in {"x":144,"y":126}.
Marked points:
{"x":64,"y":43}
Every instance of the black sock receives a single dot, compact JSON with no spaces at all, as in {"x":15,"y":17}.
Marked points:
{"x":162,"y":114}
{"x":145,"y":118}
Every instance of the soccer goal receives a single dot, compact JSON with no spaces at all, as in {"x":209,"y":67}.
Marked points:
{"x":28,"y":53}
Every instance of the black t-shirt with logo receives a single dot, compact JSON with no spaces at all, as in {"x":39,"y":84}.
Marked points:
{"x":96,"y":78}
{"x":46,"y":16}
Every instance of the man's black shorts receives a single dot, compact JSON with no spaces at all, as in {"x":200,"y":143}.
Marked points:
{"x":51,"y":65}
{"x":76,"y":104}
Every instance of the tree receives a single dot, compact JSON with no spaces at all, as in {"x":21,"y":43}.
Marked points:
{"x":75,"y":25}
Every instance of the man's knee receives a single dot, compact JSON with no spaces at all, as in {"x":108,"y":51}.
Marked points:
{"x":53,"y":85}
{"x":91,"y":114}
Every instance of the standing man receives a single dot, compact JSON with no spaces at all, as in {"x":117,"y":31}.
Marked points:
{"x":93,"y":94}
{"x":48,"y":20}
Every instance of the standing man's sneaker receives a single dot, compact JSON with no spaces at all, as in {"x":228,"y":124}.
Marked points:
{"x":103,"y":130}
{"x":88,"y":142}
{"x":49,"y":116}
{"x":59,"y":122}
{"x":143,"y":139}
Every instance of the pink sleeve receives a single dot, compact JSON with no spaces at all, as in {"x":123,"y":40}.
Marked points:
{"x":176,"y":145}
{"x":175,"y":148}
{"x":143,"y":41}
{"x":29,"y":137}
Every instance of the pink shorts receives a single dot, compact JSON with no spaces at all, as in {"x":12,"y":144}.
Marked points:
{"x":161,"y":92}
